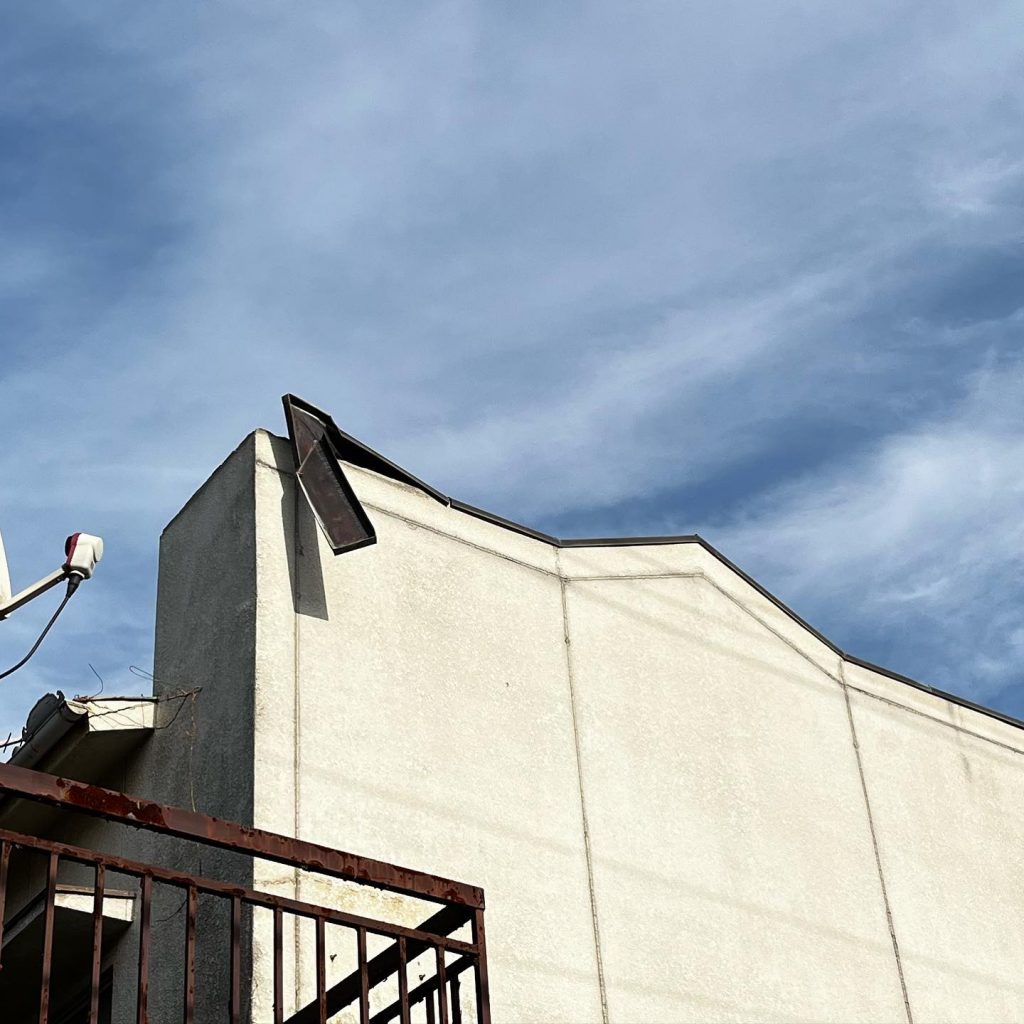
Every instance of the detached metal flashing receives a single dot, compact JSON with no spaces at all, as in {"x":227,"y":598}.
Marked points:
{"x":350,"y":449}
{"x":318,"y":448}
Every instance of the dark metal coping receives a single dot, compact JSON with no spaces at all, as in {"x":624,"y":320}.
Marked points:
{"x":353,"y":451}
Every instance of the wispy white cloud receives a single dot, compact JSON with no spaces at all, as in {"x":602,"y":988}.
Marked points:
{"x":555,"y":258}
{"x":923,"y":535}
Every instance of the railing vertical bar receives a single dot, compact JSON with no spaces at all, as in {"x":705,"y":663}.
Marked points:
{"x":455,"y":985}
{"x":483,"y":997}
{"x":235,"y":992}
{"x":5,"y":860}
{"x":190,"y":955}
{"x":97,"y":943}
{"x":403,"y":983}
{"x":321,"y":969}
{"x":146,"y":913}
{"x":428,"y":1003}
{"x":364,"y":978}
{"x":278,"y":966}
{"x":442,"y":985}
{"x":51,"y":903}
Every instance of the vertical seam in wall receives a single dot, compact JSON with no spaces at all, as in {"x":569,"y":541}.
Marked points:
{"x":296,"y":715}
{"x":874,"y":845}
{"x":583,"y":801}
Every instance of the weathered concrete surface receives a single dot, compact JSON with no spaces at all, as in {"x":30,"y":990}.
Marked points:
{"x":649,"y":766}
{"x":201,"y":756}
{"x":421,"y":715}
{"x":733,"y":864}
{"x":947,"y":805}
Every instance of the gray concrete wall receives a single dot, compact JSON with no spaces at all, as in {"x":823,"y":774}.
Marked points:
{"x":682,"y":805}
{"x":201,"y":755}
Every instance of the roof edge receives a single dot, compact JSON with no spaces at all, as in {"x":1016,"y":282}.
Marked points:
{"x":350,"y":449}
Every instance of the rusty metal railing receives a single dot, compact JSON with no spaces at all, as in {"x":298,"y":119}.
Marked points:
{"x":377,"y":989}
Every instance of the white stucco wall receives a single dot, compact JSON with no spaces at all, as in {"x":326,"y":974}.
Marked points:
{"x":682,"y":805}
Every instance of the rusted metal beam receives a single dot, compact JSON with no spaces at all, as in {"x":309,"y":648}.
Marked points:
{"x":190,"y":955}
{"x":97,"y":944}
{"x":456,"y":989}
{"x":229,"y":835}
{"x":278,"y":966}
{"x":442,"y":986}
{"x":462,"y":904}
{"x":261,"y":899}
{"x":321,"y":970}
{"x":5,"y":863}
{"x":364,"y":977}
{"x":483,"y":991}
{"x":403,"y":983}
{"x":48,"y":917}
{"x":142,"y":993}
{"x":235,"y":991}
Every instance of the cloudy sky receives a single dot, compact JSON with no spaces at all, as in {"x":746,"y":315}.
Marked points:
{"x":750,"y":269}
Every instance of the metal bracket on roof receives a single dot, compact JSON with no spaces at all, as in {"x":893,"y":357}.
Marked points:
{"x":331,"y":498}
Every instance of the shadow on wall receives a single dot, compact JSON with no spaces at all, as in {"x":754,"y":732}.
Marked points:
{"x":302,"y":544}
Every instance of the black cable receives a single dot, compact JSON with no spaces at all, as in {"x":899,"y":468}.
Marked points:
{"x":73,"y":582}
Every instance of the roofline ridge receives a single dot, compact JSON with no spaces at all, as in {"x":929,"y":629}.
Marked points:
{"x":370,"y":459}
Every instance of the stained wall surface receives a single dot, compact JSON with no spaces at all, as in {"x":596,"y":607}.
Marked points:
{"x":681,"y":803}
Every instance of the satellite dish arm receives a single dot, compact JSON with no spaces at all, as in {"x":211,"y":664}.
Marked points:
{"x":12,"y":604}
{"x":5,"y":576}
{"x":82,"y":551}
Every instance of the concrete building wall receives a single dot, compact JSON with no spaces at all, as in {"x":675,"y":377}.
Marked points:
{"x":682,"y":805}
{"x":417,"y":710}
{"x":202,"y":754}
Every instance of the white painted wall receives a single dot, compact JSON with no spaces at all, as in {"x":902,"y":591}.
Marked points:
{"x":681,"y":804}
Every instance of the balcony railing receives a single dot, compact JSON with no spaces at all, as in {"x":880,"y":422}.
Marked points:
{"x":63,"y":948}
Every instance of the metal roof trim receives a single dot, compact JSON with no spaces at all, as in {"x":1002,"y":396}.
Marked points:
{"x":351,"y":449}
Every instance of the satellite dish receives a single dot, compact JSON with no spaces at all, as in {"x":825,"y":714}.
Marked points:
{"x":5,"y":576}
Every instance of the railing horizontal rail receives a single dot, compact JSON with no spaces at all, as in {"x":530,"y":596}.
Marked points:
{"x":229,"y":835}
{"x":461,"y":905}
{"x":253,"y":897}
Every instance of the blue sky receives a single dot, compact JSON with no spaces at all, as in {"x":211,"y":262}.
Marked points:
{"x":748,"y":269}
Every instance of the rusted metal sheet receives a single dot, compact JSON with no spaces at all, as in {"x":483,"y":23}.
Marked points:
{"x":334,"y":503}
{"x":229,"y":835}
